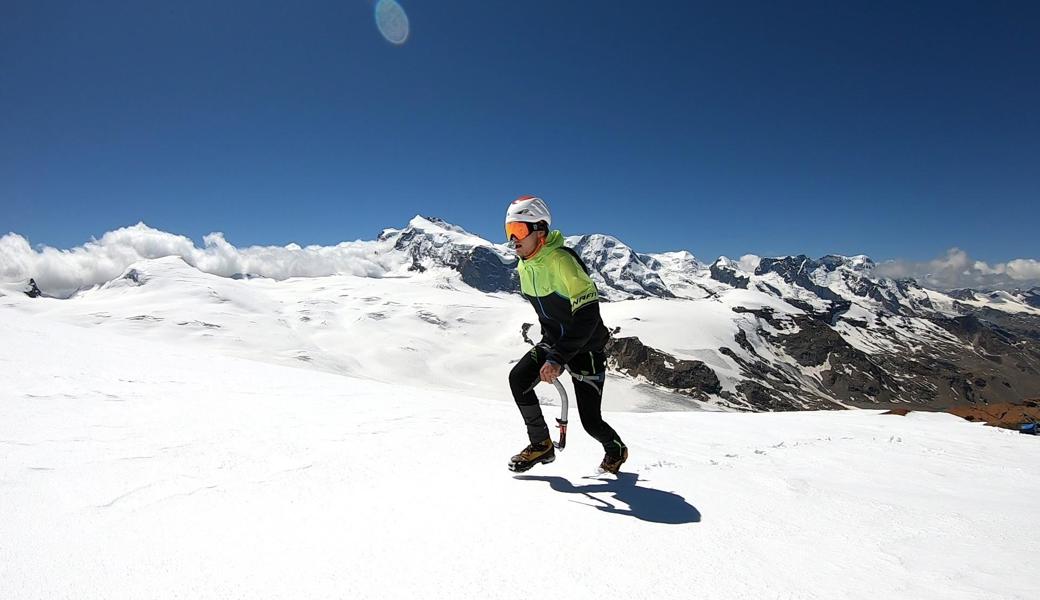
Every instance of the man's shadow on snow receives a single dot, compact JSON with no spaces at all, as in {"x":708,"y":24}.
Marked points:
{"x":643,"y":503}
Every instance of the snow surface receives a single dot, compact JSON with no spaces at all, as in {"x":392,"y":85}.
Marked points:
{"x":422,"y":330}
{"x":157,"y":468}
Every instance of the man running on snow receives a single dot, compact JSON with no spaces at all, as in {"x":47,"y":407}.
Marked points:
{"x":556,"y":283}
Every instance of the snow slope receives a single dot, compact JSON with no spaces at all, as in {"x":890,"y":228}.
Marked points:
{"x":140,"y":468}
{"x":428,"y":330}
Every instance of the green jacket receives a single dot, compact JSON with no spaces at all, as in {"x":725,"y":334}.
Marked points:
{"x":558,"y":286}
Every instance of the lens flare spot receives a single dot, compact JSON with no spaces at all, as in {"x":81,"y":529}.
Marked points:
{"x":392,"y":21}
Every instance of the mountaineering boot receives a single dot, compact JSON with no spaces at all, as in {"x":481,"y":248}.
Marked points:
{"x":532,"y":455}
{"x":612,"y":462}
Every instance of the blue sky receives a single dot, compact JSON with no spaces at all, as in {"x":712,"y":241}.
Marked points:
{"x":893,"y":129}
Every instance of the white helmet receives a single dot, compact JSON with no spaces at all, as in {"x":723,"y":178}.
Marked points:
{"x":528,"y":209}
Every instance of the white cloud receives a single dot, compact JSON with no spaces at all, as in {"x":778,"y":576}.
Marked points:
{"x":955,"y":260}
{"x":61,"y":272}
{"x":1023,"y":269}
{"x":955,"y":269}
{"x":985,"y":269}
{"x":749,"y":262}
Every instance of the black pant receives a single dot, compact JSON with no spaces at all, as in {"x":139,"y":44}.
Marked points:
{"x":524,"y":376}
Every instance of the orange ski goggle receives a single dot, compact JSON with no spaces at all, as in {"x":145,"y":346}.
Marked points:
{"x":518,"y":230}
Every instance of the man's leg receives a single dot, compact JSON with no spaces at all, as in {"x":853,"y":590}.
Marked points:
{"x":522,"y":380}
{"x":590,"y":401}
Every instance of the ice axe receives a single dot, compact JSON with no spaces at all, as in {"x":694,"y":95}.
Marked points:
{"x":561,"y":422}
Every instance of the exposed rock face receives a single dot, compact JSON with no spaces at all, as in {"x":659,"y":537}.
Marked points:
{"x":964,"y":294}
{"x":630,"y":356}
{"x":34,"y":290}
{"x":1031,"y":297}
{"x":1008,"y":415}
{"x":797,"y":270}
{"x":934,"y":373}
{"x":763,"y":398}
{"x":484,"y":270}
{"x":865,"y":288}
{"x":724,"y":272}
{"x":134,"y":276}
{"x":1003,"y":364}
{"x":778,"y":386}
{"x":860,"y":264}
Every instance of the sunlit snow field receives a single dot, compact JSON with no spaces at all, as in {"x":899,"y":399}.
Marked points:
{"x":203,"y":440}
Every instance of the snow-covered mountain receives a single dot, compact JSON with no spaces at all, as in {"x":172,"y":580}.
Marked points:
{"x":431,"y":242}
{"x":1012,"y":301}
{"x":681,"y":273}
{"x":619,"y":272}
{"x":764,"y":334}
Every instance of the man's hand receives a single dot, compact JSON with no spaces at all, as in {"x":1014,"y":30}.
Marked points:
{"x":550,"y":371}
